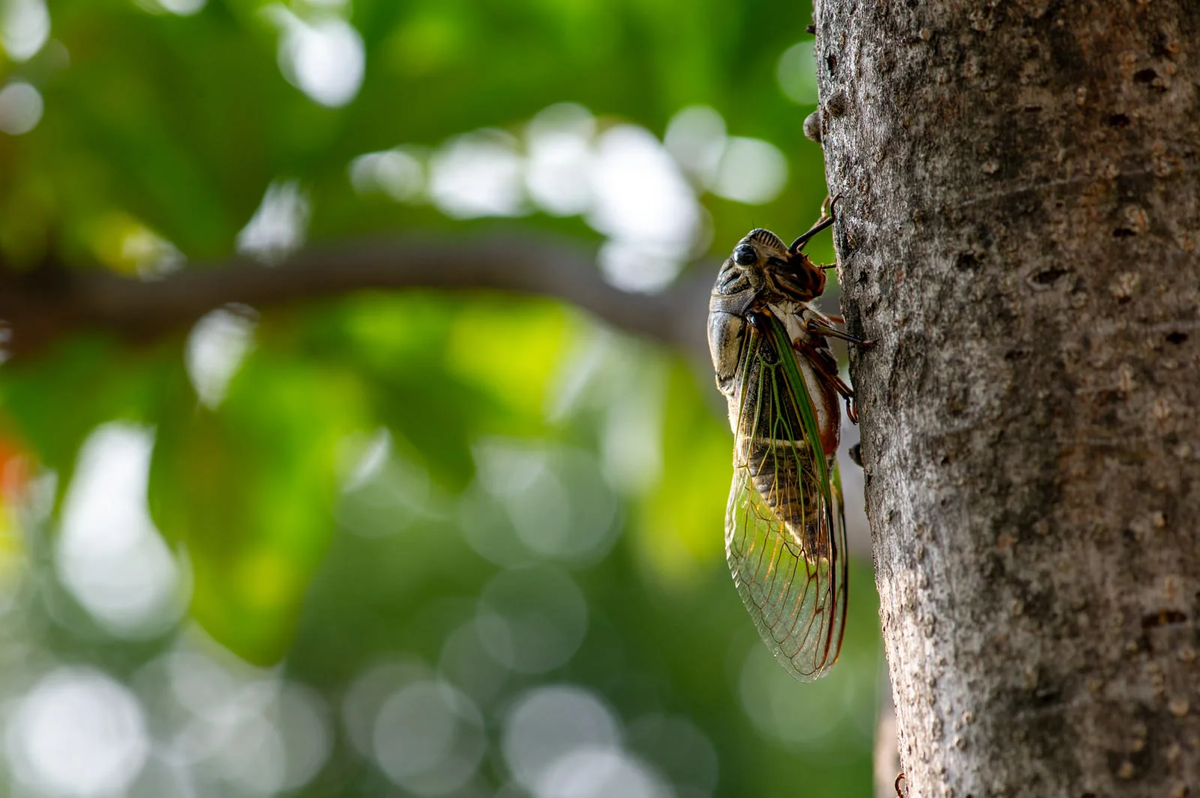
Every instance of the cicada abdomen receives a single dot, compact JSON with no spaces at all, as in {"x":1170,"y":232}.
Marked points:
{"x":771,"y":444}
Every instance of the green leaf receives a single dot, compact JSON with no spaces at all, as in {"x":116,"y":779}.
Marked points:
{"x":54,"y":401}
{"x":247,"y":491}
{"x":682,"y":519}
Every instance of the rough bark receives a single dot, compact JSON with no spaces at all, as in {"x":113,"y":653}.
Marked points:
{"x":1020,"y":217}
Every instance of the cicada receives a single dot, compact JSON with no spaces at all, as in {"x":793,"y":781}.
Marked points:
{"x":785,"y":535}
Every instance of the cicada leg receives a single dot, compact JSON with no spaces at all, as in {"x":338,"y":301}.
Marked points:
{"x":828,"y":370}
{"x":827,"y":219}
{"x":826,"y":330}
{"x":851,"y":407}
{"x":829,"y":205}
{"x":847,"y":393}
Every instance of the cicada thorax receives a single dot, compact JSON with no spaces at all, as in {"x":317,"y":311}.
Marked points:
{"x":816,"y":363}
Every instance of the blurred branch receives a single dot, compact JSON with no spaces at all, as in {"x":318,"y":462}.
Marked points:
{"x":53,"y":301}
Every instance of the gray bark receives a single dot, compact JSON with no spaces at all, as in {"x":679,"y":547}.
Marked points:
{"x":1019,"y":225}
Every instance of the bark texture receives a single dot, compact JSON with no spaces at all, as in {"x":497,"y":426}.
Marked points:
{"x":1019,"y":230}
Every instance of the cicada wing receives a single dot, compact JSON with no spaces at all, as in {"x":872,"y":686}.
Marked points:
{"x":785,"y":537}
{"x":795,"y":591}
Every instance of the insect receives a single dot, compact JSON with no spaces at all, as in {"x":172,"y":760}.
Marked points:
{"x":785,"y":537}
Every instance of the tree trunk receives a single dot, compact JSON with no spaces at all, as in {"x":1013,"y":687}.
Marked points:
{"x":1019,"y":224}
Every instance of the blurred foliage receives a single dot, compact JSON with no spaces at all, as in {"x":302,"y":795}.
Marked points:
{"x":375,"y":466}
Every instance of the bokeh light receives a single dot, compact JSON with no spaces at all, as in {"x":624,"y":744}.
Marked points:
{"x":385,"y":491}
{"x":20,"y":108}
{"x":399,"y":173}
{"x":366,"y":694}
{"x":548,"y":724}
{"x":626,"y":184}
{"x":553,"y":505}
{"x":645,"y":207}
{"x":24,"y":28}
{"x":478,"y":174}
{"x":600,"y":772}
{"x":820,"y":719}
{"x":680,"y":750}
{"x":532,"y":619}
{"x":467,"y":663}
{"x":279,"y":224}
{"x":429,"y":738}
{"x":110,"y":555}
{"x":322,"y":56}
{"x":182,"y":8}
{"x":750,"y":171}
{"x":77,"y":733}
{"x":215,"y":348}
{"x":797,"y":73}
{"x":559,"y":141}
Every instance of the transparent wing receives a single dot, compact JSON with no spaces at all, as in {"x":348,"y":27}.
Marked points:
{"x":785,"y":534}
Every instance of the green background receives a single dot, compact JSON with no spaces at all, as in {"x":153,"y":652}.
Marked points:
{"x":407,"y":517}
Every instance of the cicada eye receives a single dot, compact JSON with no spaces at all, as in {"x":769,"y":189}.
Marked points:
{"x":744,"y":255}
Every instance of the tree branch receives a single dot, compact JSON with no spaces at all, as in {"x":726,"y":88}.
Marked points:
{"x":47,"y":304}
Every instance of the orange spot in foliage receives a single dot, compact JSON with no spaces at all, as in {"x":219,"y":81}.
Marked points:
{"x":14,"y":467}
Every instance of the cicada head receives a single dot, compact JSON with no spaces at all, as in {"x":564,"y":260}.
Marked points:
{"x":742,"y":277}
{"x":763,"y":268}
